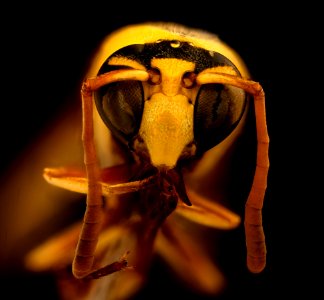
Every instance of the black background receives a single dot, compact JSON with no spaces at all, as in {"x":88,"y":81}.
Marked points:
{"x":45,"y":52}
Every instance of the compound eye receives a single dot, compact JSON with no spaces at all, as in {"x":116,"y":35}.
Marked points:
{"x":218,"y":110}
{"x":120,"y":106}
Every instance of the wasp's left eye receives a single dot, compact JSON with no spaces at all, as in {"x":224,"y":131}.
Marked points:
{"x":120,"y":106}
{"x":218,"y":110}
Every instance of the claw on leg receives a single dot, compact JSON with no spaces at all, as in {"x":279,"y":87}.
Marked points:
{"x":116,"y":266}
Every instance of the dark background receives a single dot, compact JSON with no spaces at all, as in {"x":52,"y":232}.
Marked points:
{"x":45,"y":52}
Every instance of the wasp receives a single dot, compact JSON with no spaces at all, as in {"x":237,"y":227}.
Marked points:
{"x":162,"y":105}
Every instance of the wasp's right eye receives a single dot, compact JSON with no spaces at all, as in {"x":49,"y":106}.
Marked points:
{"x":120,"y":106}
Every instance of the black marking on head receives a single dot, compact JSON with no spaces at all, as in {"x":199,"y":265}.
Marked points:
{"x":144,"y":53}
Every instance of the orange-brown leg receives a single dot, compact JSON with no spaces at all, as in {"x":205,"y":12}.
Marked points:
{"x":92,"y":222}
{"x":93,"y":218}
{"x":255,"y":239}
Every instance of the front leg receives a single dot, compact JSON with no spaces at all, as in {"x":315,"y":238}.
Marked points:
{"x":116,"y":266}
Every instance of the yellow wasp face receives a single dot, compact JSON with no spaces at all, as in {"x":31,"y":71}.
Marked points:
{"x":170,"y":116}
{"x":158,"y":96}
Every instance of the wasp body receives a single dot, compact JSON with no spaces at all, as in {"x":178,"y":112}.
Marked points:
{"x":162,"y":107}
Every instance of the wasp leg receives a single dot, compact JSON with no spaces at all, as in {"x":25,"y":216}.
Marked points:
{"x":116,"y":266}
{"x":55,"y":253}
{"x":188,"y":258}
{"x":76,"y":181}
{"x":208,"y":213}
